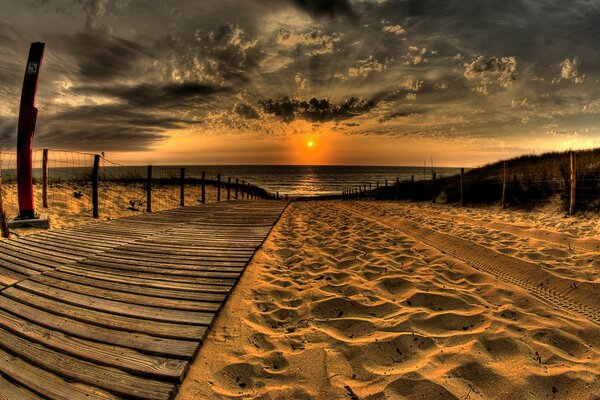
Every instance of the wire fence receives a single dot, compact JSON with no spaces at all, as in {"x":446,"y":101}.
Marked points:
{"x":63,"y":186}
{"x":522,"y":181}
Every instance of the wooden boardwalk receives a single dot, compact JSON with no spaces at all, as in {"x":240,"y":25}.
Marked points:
{"x":120,"y":308}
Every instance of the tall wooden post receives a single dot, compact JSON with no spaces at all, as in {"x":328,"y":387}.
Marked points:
{"x":462,"y":186}
{"x":45,"y":178}
{"x":149,"y":190}
{"x":504,"y":179}
{"x":572,"y":197}
{"x":95,"y":173}
{"x":218,"y":187}
{"x":3,"y":225}
{"x":237,"y":183}
{"x":203,"y":189}
{"x":229,"y":188}
{"x":377,"y":184}
{"x":433,"y":186}
{"x":386,"y":185}
{"x":397,"y":188}
{"x":182,"y":188}
{"x":243,"y":189}
{"x":412,"y":188}
{"x":25,"y":130}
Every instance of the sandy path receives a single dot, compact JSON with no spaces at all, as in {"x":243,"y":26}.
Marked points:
{"x":340,"y":306}
{"x":557,"y":251}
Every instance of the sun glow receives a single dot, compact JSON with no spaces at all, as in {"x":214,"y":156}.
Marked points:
{"x":310,"y":144}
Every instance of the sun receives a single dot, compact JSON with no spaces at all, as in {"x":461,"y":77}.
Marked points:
{"x":310,"y":144}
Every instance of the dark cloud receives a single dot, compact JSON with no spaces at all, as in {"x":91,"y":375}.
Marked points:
{"x":101,"y":57}
{"x":246,"y":111}
{"x":326,"y":8}
{"x":150,"y":96}
{"x":8,"y":133}
{"x":103,"y":128}
{"x":316,"y":110}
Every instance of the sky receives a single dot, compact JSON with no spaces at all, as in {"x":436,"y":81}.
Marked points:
{"x":368,"y":82}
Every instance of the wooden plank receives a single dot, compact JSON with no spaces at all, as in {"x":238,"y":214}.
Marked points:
{"x":45,"y":383}
{"x":98,"y":353}
{"x":12,"y":391}
{"x":149,"y":283}
{"x":117,"y":307}
{"x":164,"y":275}
{"x":108,"y":262}
{"x":18,"y":254}
{"x":171,"y":348}
{"x":107,"y":378}
{"x":132,"y":288}
{"x":175,"y":304}
{"x":113,"y":321}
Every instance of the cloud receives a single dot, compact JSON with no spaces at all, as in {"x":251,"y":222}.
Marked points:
{"x":326,"y":8}
{"x":171,"y":96}
{"x":246,"y":111}
{"x":363,"y":68}
{"x":225,"y":54}
{"x":94,"y":10}
{"x":395,"y":29}
{"x":104,"y":128}
{"x":102,"y":57}
{"x":491,"y":71}
{"x":316,"y":110}
{"x":569,"y":70}
{"x":315,"y":42}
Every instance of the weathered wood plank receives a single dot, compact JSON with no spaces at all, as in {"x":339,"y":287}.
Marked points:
{"x":138,"y":299}
{"x":113,"y":321}
{"x":117,"y":307}
{"x":45,"y":383}
{"x":98,"y":353}
{"x":12,"y":391}
{"x":149,"y":283}
{"x":172,"y":348}
{"x":131,"y":288}
{"x":107,"y":378}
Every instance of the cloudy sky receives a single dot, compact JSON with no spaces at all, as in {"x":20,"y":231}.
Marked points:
{"x":388,"y":82}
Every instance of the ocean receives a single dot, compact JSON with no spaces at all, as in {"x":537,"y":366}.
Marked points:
{"x":287,"y":180}
{"x":315,"y":180}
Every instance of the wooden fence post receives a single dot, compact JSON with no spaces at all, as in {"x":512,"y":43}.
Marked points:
{"x":462,"y":186}
{"x":95,"y":173}
{"x":397,"y":188}
{"x":572,"y":197}
{"x":412,"y":188}
{"x":377,"y":184}
{"x":203,"y":190}
{"x":45,"y":178}
{"x":433,"y":186}
{"x":229,"y":188}
{"x":3,"y":225}
{"x":218,"y":187}
{"x":182,"y":188}
{"x":504,"y":179}
{"x":243,"y":189}
{"x":237,"y":184}
{"x":149,"y":190}
{"x":386,"y":181}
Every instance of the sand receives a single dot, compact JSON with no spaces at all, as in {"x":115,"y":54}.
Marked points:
{"x":344,"y":301}
{"x":70,"y":204}
{"x":372,"y":300}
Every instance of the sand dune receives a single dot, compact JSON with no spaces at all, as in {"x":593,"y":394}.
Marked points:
{"x":340,"y":306}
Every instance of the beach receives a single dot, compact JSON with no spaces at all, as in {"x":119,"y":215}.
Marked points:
{"x":341,"y":303}
{"x":393,"y":300}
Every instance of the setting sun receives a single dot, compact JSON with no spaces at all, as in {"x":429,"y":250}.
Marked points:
{"x":310,"y":144}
